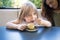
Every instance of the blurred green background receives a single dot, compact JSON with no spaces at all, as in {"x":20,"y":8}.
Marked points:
{"x":9,"y":3}
{"x":5,"y":3}
{"x":38,"y":3}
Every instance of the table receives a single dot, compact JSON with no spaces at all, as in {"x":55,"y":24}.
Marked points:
{"x":52,"y":33}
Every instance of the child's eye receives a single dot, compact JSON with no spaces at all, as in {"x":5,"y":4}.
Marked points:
{"x":34,"y":13}
{"x":29,"y":15}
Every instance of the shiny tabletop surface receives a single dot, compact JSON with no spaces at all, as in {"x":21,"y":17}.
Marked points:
{"x":41,"y":34}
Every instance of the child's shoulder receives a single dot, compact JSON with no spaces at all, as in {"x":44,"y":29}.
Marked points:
{"x":16,"y":21}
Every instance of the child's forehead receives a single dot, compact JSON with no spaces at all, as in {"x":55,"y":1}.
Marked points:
{"x":29,"y":13}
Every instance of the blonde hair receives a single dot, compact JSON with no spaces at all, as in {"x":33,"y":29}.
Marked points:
{"x":26,"y":9}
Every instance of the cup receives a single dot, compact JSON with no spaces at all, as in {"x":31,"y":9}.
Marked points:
{"x":30,"y":26}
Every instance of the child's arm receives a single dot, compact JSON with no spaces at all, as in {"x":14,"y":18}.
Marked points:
{"x":43,"y":22}
{"x":14,"y":25}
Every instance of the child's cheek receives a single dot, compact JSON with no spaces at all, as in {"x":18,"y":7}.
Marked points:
{"x":34,"y":17}
{"x":27,"y":20}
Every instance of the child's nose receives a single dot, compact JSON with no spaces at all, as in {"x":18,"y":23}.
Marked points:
{"x":34,"y":17}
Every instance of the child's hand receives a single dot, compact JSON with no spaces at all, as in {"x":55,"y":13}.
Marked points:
{"x":43,"y":22}
{"x":21,"y":27}
{"x":38,"y":21}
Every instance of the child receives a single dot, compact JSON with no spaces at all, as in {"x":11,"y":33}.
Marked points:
{"x":28,"y":14}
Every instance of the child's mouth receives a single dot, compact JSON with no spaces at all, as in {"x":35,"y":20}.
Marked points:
{"x":32,"y":21}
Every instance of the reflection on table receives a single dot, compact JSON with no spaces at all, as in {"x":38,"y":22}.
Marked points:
{"x":41,"y":34}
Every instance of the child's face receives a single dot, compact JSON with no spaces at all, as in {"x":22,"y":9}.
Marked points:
{"x":30,"y":17}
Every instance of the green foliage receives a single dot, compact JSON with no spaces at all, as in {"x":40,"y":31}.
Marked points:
{"x":8,"y":3}
{"x":5,"y":3}
{"x":1,"y":4}
{"x":38,"y":3}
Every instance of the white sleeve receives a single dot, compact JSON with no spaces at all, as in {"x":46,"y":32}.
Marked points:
{"x":11,"y":25}
{"x":44,"y":23}
{"x":14,"y":26}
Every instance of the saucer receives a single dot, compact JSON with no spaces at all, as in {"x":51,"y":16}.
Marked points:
{"x":31,"y":30}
